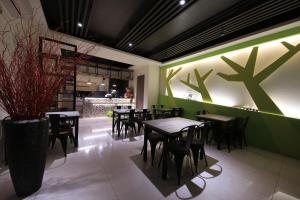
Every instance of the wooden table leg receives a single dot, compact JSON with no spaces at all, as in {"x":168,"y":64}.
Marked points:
{"x":146,"y":132}
{"x":76,"y":131}
{"x":165,"y":161}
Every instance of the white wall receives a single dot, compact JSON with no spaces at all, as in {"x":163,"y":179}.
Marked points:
{"x":151,"y":84}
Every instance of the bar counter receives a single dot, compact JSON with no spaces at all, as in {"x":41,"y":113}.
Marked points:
{"x":95,"y":107}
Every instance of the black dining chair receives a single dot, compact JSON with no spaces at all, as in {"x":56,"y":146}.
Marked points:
{"x":154,"y":139}
{"x":209,"y":127}
{"x":197,"y":145}
{"x":155,"y":114}
{"x":142,"y":117}
{"x":180,"y":149}
{"x":177,"y":112}
{"x":60,"y":131}
{"x":117,"y":118}
{"x":239,"y":131}
{"x":129,"y":122}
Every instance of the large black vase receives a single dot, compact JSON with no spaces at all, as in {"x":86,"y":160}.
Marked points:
{"x":26,"y":150}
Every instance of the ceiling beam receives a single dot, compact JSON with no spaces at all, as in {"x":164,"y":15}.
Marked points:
{"x":78,"y":17}
{"x":67,"y":19}
{"x":61,"y":16}
{"x":88,"y":18}
{"x":73,"y":17}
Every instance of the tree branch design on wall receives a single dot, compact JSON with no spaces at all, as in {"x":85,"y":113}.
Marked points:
{"x":201,"y":88}
{"x":252,"y":83}
{"x":167,"y":79}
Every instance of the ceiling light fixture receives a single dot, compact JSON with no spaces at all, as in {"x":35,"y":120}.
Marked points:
{"x":79,"y":24}
{"x":130,"y":44}
{"x":182,"y":2}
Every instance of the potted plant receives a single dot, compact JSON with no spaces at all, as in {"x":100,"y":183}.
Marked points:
{"x":28,"y":85}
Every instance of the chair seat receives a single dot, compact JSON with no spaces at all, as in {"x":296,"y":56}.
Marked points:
{"x":177,"y":147}
{"x":153,"y":136}
{"x":128,"y":121}
{"x":194,"y":141}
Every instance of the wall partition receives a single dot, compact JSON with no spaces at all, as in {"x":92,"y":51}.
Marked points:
{"x":259,"y":78}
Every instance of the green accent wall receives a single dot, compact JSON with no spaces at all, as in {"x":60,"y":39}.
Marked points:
{"x":271,"y":132}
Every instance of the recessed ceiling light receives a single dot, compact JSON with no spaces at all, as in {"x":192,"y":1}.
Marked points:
{"x":79,"y":24}
{"x":114,"y":85}
{"x":130,"y":44}
{"x":102,"y":84}
{"x":89,"y":83}
{"x":182,"y":2}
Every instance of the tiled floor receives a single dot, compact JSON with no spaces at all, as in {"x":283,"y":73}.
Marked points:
{"x":107,"y":168}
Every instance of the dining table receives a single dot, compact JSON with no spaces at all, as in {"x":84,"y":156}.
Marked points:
{"x":70,"y":115}
{"x":120,"y":114}
{"x":220,"y":122}
{"x":169,"y":127}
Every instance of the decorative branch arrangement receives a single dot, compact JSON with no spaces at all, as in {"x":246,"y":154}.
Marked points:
{"x":27,"y":83}
{"x":167,"y":79}
{"x":252,"y":83}
{"x":201,"y":88}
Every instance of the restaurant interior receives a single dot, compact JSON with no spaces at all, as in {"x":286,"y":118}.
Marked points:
{"x":150,"y":99}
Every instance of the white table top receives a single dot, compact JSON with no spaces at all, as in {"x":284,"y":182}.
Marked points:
{"x":67,"y":113}
{"x":171,"y":125}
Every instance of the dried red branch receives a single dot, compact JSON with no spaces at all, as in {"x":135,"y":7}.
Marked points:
{"x":28,"y":86}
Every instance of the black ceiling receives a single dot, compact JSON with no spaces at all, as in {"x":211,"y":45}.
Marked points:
{"x":163,"y":29}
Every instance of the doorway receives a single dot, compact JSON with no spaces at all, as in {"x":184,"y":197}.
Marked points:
{"x":140,"y":92}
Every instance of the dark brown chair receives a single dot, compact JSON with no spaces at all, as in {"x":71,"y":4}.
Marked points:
{"x":154,"y":138}
{"x":180,"y":149}
{"x":209,"y":127}
{"x":177,"y":112}
{"x":155,"y":114}
{"x":61,"y":131}
{"x":130,"y":122}
{"x":117,"y":118}
{"x":142,"y":117}
{"x":239,"y":131}
{"x":197,"y":145}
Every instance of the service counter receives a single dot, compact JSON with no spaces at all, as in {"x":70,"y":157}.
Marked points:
{"x":96,"y":107}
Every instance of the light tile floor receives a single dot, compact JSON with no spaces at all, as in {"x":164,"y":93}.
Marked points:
{"x":107,"y":168}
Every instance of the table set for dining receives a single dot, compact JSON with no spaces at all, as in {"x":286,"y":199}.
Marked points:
{"x":170,"y":127}
{"x":167,"y":127}
{"x":122,"y":113}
